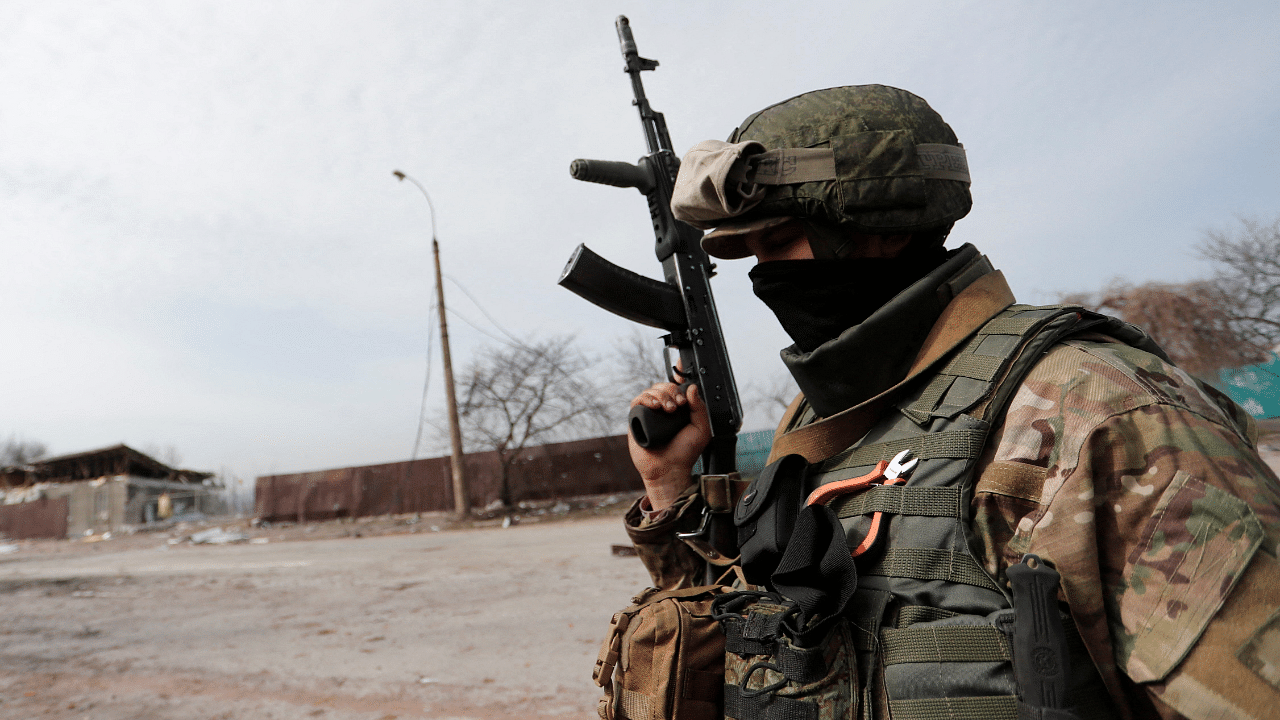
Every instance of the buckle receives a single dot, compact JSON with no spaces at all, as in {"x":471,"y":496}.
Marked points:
{"x":721,"y":492}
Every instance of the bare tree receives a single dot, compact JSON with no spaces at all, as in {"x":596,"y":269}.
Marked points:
{"x":16,"y":451}
{"x":638,"y":362}
{"x":773,"y":396}
{"x":1247,"y":263}
{"x":517,"y":396}
{"x":168,"y":454}
{"x":1192,"y":321}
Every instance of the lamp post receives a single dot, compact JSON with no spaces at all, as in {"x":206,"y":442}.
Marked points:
{"x":461,"y":499}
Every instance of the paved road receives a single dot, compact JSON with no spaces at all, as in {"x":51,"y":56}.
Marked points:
{"x":467,"y":624}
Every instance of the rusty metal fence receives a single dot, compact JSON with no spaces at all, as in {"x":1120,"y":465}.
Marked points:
{"x":43,"y":518}
{"x":584,"y":467}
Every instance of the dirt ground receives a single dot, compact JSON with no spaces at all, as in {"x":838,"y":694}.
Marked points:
{"x":404,"y":617}
{"x":378,"y":619}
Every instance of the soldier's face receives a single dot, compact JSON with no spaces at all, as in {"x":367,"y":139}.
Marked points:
{"x":790,"y":242}
{"x":784,"y":242}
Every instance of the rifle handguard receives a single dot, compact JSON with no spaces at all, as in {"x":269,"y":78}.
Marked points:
{"x":653,"y":429}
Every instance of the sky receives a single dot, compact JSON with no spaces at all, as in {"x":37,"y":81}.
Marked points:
{"x":206,"y":252}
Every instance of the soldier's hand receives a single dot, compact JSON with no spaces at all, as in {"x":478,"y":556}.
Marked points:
{"x":666,"y":471}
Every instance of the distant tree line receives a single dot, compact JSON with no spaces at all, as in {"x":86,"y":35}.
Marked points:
{"x":1229,"y":320}
{"x":16,"y":451}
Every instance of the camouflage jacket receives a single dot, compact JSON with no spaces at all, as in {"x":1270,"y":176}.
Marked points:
{"x":1145,"y":490}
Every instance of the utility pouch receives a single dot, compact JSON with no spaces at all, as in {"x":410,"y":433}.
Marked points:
{"x":766,"y":515}
{"x":663,"y":658}
{"x":776,"y":671}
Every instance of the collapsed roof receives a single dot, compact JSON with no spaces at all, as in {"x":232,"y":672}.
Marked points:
{"x":105,"y":462}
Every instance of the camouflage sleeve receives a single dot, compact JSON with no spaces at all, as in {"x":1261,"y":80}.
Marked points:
{"x":1144,"y":490}
{"x":671,"y":563}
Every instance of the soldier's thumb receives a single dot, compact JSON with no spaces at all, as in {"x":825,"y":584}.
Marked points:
{"x":698,"y":409}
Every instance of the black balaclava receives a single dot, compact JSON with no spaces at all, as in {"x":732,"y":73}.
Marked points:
{"x":816,"y":300}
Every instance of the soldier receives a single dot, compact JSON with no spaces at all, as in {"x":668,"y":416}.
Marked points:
{"x":1046,"y":431}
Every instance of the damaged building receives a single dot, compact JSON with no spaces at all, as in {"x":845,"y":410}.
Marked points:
{"x":100,"y":491}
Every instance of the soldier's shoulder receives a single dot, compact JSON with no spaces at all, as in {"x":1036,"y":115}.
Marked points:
{"x":1103,"y":377}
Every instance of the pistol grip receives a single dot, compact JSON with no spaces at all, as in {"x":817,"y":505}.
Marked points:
{"x":1041,"y":662}
{"x":653,"y":429}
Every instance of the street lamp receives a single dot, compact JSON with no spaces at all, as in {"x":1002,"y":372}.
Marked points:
{"x":461,"y":499}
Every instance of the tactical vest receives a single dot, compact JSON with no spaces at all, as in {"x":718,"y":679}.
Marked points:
{"x":931,"y":627}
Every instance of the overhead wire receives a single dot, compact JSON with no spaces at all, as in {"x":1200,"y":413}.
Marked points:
{"x":511,"y":340}
{"x":484,"y":312}
{"x":481,"y":330}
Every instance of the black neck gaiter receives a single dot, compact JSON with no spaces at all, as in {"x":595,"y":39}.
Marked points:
{"x":816,"y":300}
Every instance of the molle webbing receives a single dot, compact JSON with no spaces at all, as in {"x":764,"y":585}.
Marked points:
{"x":958,"y":664}
{"x":952,"y":643}
{"x":996,"y":707}
{"x":770,"y":676}
{"x":971,"y":376}
{"x":929,"y":625}
{"x":899,"y":500}
{"x":911,"y":614}
{"x":931,"y":564}
{"x":958,"y":444}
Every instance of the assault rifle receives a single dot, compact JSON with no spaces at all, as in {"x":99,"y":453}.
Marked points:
{"x":682,"y":305}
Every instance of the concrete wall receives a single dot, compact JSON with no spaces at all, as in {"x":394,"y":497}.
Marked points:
{"x":96,"y":506}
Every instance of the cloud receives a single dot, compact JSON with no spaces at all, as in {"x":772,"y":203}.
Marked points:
{"x":213,"y":253}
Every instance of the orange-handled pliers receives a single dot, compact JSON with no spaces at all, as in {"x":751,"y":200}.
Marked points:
{"x":886,"y":472}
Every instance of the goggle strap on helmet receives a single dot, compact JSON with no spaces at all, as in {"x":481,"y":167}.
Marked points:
{"x":786,"y":166}
{"x":943,"y":162}
{"x":793,"y":166}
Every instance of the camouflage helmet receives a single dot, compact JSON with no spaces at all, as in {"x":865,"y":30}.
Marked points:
{"x":898,"y":167}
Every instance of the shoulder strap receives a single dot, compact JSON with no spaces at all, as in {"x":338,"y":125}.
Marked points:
{"x":981,"y":376}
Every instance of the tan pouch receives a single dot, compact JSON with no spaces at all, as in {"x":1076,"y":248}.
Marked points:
{"x":663,"y":658}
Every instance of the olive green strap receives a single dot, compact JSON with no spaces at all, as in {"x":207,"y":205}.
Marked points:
{"x":932,"y":564}
{"x":922,"y":409}
{"x":991,"y":707}
{"x":960,"y":444}
{"x":786,"y":166}
{"x":911,"y":614}
{"x":1011,"y":325}
{"x":948,"y":643}
{"x":971,"y":375}
{"x":899,"y":500}
{"x":978,"y":367}
{"x":792,"y":166}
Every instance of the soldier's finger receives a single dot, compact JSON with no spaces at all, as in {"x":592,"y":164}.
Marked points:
{"x":698,"y":410}
{"x":660,"y":397}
